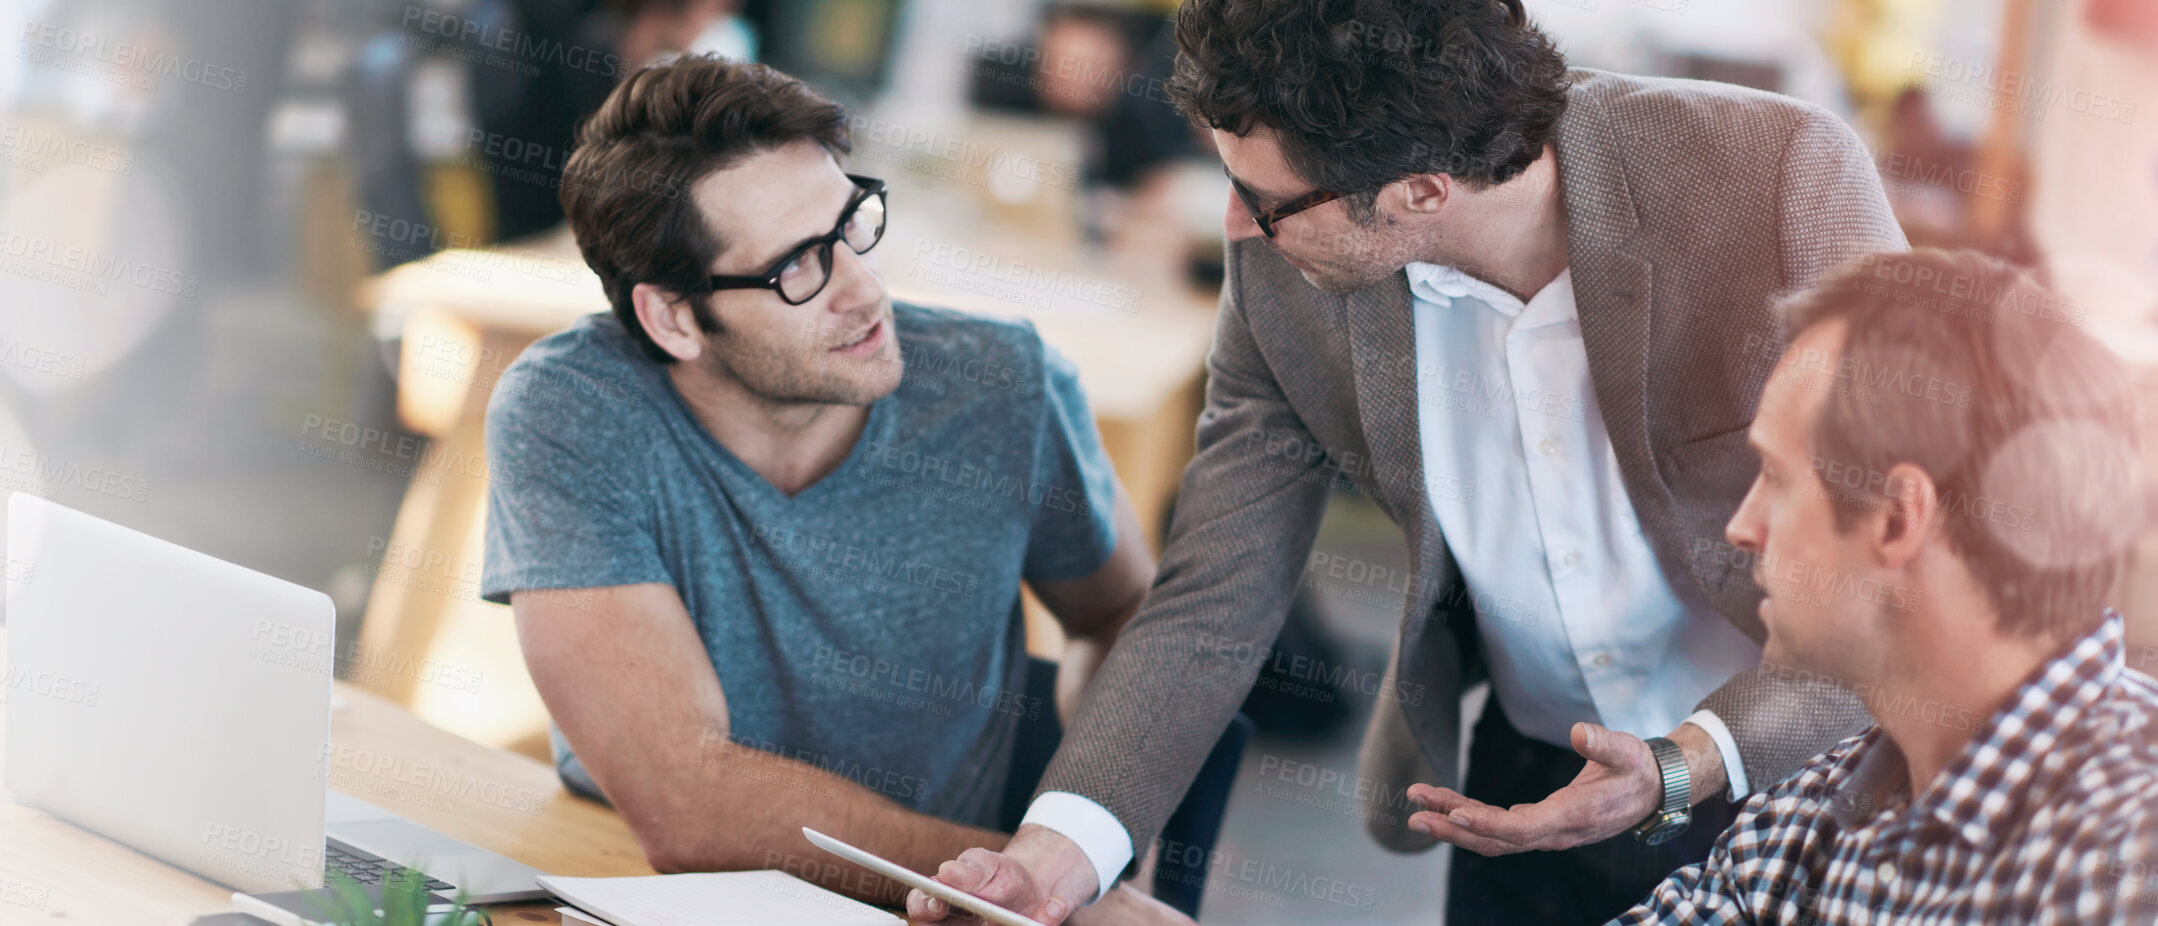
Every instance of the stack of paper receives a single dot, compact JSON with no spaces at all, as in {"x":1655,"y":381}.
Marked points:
{"x":716,"y":898}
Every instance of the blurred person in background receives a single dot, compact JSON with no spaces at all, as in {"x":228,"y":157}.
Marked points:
{"x":766,"y":566}
{"x":1944,"y":552}
{"x":575,"y":53}
{"x":1110,"y":65}
{"x":1104,"y":67}
{"x":1512,"y":304}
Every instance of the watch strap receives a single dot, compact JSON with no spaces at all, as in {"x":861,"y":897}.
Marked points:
{"x":1671,"y":767}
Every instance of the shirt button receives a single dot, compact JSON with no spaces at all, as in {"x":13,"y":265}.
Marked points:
{"x":1602,"y":659}
{"x":1886,"y":872}
{"x":1572,"y":558}
{"x":1547,"y":447}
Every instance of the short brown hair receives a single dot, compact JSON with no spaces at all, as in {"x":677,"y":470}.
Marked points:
{"x":1365,"y":92}
{"x":626,"y":189}
{"x":1974,"y":372}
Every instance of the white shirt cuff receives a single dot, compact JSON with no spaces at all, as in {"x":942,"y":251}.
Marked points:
{"x":1105,"y":841}
{"x":1734,"y":770}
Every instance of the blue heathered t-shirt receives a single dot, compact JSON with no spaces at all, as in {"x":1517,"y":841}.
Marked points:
{"x":869,"y":625}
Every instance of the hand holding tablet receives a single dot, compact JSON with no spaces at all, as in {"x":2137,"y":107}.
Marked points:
{"x":925,"y":884}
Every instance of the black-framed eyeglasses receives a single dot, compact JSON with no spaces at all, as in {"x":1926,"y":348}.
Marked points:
{"x":1265,"y":218}
{"x":802,"y":274}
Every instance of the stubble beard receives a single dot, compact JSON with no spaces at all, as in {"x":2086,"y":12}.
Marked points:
{"x":1368,"y":259}
{"x":779,"y":380}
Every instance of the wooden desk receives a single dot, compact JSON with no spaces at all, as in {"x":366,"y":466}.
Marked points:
{"x":52,"y":872}
{"x":1139,"y":341}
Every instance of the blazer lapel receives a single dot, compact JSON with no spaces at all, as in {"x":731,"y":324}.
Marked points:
{"x":1382,"y":343}
{"x":1612,"y":290}
{"x":1382,"y":347}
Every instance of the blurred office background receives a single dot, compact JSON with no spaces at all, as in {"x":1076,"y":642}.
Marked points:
{"x":260,"y":264}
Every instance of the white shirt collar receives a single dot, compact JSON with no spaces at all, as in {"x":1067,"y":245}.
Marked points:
{"x":1441,"y":285}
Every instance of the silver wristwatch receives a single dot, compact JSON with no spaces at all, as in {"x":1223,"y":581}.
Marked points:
{"x":1676,"y":813}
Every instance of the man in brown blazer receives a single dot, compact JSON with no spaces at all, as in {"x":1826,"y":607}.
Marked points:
{"x":1526,"y":310}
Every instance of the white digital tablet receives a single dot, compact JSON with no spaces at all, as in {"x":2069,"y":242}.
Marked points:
{"x":924,"y":883}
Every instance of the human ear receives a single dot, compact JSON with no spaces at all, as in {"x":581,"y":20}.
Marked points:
{"x":669,"y":320}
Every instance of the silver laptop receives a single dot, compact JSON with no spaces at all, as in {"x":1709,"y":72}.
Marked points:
{"x":180,"y":704}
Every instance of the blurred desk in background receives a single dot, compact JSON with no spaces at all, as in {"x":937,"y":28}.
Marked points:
{"x":1138,"y":338}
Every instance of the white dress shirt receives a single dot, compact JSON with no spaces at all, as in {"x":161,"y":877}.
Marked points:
{"x":1578,"y":620}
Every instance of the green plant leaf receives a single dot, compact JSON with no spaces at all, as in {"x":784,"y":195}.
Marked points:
{"x":351,"y":906}
{"x":404,"y":899}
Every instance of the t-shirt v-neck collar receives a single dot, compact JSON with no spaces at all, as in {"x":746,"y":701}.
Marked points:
{"x":871,"y":432}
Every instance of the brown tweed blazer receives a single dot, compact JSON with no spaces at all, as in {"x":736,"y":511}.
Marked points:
{"x":1692,"y":206}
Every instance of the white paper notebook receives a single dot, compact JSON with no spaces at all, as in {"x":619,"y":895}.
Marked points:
{"x":715,"y":898}
{"x":571,"y":916}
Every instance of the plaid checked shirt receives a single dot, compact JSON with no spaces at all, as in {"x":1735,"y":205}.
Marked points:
{"x":2049,"y":815}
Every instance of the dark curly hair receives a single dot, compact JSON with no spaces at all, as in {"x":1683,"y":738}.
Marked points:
{"x":626,"y":189}
{"x":1364,"y":92}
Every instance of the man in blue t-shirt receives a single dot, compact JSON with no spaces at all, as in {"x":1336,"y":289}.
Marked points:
{"x":767,"y":539}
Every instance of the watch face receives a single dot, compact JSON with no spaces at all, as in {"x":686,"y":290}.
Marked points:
{"x":1666,"y":828}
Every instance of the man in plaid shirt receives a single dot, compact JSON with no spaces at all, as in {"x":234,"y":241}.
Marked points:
{"x":1947,"y":484}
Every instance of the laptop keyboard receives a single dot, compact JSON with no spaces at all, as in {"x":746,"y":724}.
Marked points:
{"x":364,"y":868}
